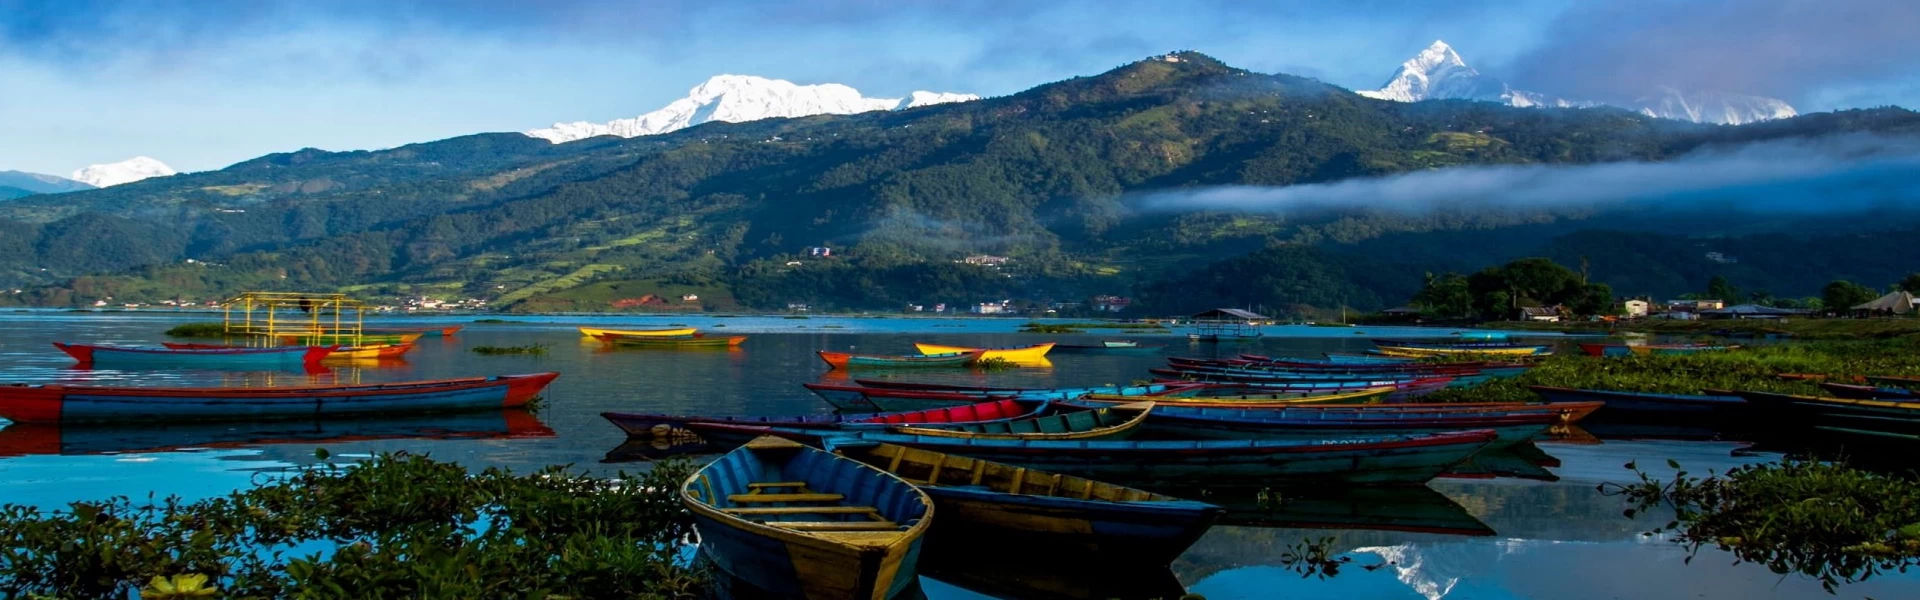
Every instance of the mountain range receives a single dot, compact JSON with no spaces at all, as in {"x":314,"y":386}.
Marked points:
{"x":1438,"y":73}
{"x":739,"y":98}
{"x":1051,"y":177}
{"x":15,"y":184}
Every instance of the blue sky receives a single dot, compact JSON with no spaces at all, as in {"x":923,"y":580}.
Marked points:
{"x":201,"y":84}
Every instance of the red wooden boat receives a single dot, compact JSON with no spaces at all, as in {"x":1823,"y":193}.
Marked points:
{"x":95,"y":404}
{"x":283,"y":356}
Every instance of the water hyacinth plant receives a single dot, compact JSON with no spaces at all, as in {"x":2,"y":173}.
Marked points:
{"x":396,"y":525}
{"x":1828,"y":521}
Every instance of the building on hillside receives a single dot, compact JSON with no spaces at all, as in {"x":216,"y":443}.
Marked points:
{"x":1111,"y":303}
{"x":820,"y":251}
{"x":1636,"y":308}
{"x":689,"y":297}
{"x":798,"y":307}
{"x":1694,"y":306}
{"x":1543,"y":314}
{"x":986,"y":260}
{"x":989,"y":308}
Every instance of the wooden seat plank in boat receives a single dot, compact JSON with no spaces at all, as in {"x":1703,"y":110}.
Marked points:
{"x":802,"y":510}
{"x":776,"y":484}
{"x":797,"y":497}
{"x":837,"y":525}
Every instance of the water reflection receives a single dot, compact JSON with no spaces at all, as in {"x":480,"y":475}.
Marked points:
{"x":21,"y":439}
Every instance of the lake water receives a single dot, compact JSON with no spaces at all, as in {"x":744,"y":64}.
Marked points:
{"x":1539,"y":530}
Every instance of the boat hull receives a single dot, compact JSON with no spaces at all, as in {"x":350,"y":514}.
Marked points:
{"x":795,"y":563}
{"x":271,"y":358}
{"x":844,"y":360}
{"x":1646,"y":404}
{"x":597,"y":332}
{"x":1027,"y":354}
{"x":65,"y":404}
{"x":1392,"y":460}
{"x":673,"y":342}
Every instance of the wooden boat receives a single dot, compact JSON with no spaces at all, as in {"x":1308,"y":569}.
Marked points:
{"x":1449,"y":344}
{"x":1870,"y":392}
{"x":1130,"y":390}
{"x":1109,"y":347}
{"x":1029,"y":353}
{"x":696,"y":341}
{"x":861,"y":398}
{"x":844,"y":360}
{"x":1374,"y":460}
{"x":370,"y":352}
{"x":1365,"y":359}
{"x":1885,"y":419}
{"x":1628,"y":350}
{"x":802,"y":523}
{"x":1395,"y":380}
{"x":1897,"y":381}
{"x":1177,"y":421}
{"x":597,"y":332}
{"x":1273,"y":400}
{"x":1568,"y":412}
{"x":1625,"y":403}
{"x":1099,"y":423}
{"x":92,"y":404}
{"x":21,"y":439}
{"x":647,"y":426}
{"x":284,"y":356}
{"x":423,"y":331}
{"x":1423,"y":352}
{"x":1023,"y":506}
{"x":365,"y":339}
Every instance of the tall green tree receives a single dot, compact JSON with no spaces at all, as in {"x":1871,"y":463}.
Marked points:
{"x":1842,"y":295}
{"x":1719,"y":288}
{"x":1499,"y":291}
{"x":1446,"y":295}
{"x":1911,"y":283}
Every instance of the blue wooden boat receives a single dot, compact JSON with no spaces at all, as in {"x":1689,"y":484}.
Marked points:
{"x":257,"y":358}
{"x":848,"y":397}
{"x":1392,"y":380}
{"x":847,"y":360}
{"x":1373,"y":460}
{"x":1146,"y":390}
{"x":1628,"y":403}
{"x":803,"y":523}
{"x":649,"y":426}
{"x":1869,"y":392}
{"x":1346,"y":358}
{"x":1022,"y":506}
{"x":1877,"y":418}
{"x":93,"y":404}
{"x":1448,"y":344}
{"x":1174,"y":421}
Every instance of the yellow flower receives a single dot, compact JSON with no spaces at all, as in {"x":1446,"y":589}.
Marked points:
{"x":177,"y":587}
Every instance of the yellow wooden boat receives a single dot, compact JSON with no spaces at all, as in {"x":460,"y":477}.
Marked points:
{"x":1407,"y":352}
{"x":1274,"y":400}
{"x":1018,"y":355}
{"x":370,"y":351}
{"x":1115,"y":423}
{"x":592,"y":332}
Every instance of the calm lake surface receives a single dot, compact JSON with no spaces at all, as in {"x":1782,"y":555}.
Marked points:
{"x":1530,"y":525}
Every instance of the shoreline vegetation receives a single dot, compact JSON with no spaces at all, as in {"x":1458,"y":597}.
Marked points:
{"x":1801,"y":328}
{"x":404,"y":526}
{"x":1749,"y":368}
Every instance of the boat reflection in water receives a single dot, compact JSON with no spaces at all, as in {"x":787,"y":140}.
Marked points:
{"x":21,"y":439}
{"x":1415,"y":509}
{"x":984,"y":566}
{"x":663,"y":447}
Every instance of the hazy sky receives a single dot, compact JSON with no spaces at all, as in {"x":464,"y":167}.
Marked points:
{"x":201,"y":84}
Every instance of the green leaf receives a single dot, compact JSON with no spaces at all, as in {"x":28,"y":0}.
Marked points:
{"x":321,"y":453}
{"x":1673,"y":464}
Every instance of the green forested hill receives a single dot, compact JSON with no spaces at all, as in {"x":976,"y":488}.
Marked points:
{"x":1041,"y":176}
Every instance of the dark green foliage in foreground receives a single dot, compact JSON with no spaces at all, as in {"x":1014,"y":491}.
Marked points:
{"x":1827,"y":521}
{"x":1750,"y":368}
{"x":198,"y":330}
{"x":397,"y":526}
{"x":1842,"y":295}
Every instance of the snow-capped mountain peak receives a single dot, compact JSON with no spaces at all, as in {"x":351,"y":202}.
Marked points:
{"x":739,"y":98}
{"x":1438,"y":73}
{"x":126,"y":171}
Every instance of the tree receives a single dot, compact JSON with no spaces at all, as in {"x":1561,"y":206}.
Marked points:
{"x":1446,"y":295}
{"x":1911,"y":283}
{"x":1593,"y":299}
{"x":1842,"y":295}
{"x":1719,"y":288}
{"x":1525,"y":282}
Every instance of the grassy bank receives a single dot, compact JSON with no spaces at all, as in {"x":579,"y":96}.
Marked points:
{"x":405,"y":526}
{"x":198,"y":330}
{"x":1806,"y":329}
{"x":1750,"y":368}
